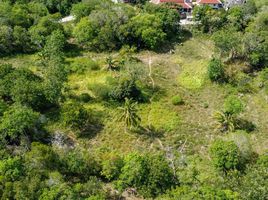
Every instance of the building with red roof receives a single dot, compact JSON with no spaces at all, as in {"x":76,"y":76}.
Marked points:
{"x":185,"y":4}
{"x":213,"y":3}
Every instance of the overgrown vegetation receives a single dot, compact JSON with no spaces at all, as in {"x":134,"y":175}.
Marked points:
{"x":124,"y":102}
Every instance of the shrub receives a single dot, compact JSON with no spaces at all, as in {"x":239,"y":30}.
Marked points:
{"x":18,"y":120}
{"x":91,"y":190}
{"x":11,"y":169}
{"x":241,"y":139}
{"x":177,"y":100}
{"x":216,"y":70}
{"x":3,"y":107}
{"x":100,"y":91}
{"x":203,"y":192}
{"x":227,"y":118}
{"x":79,"y":163}
{"x":149,"y":174}
{"x":111,"y":166}
{"x":233,"y":105}
{"x":126,"y":88}
{"x":41,"y":158}
{"x":74,"y":115}
{"x":263,"y":160}
{"x":45,"y":26}
{"x":146,"y":30}
{"x":57,"y":191}
{"x":81,"y":10}
{"x":254,"y":184}
{"x":82,"y":64}
{"x":228,"y":42}
{"x":84,"y":97}
{"x":244,"y":83}
{"x":225,"y":155}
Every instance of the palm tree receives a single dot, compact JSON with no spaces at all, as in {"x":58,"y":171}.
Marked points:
{"x":226,"y":120}
{"x":129,"y":115}
{"x":113,"y":64}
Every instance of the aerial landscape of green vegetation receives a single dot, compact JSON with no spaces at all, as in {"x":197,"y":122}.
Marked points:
{"x":113,"y":100}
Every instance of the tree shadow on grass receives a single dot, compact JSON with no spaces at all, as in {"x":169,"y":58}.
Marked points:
{"x":72,"y":50}
{"x":93,"y":127}
{"x":91,"y":130}
{"x":186,"y":35}
{"x":169,"y":45}
{"x":245,"y":125}
{"x":149,"y":132}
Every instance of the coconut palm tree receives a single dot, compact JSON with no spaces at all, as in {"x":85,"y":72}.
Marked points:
{"x":129,"y":114}
{"x":113,"y":64}
{"x":226,"y":121}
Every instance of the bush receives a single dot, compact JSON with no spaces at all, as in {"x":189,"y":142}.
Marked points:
{"x":45,"y":26}
{"x":41,"y":158}
{"x":93,"y":189}
{"x":233,"y":105}
{"x":111,"y":166}
{"x":79,"y":163}
{"x":228,"y":42}
{"x":100,"y":91}
{"x":84,"y":9}
{"x":254,"y":184}
{"x":177,"y":100}
{"x":126,"y":88}
{"x":203,"y":192}
{"x":82,"y":64}
{"x":149,"y":174}
{"x":225,"y":155}
{"x":244,"y":83}
{"x":11,"y":169}
{"x":84,"y":97}
{"x":263,"y":160}
{"x":74,"y":115}
{"x":146,"y":30}
{"x":18,"y":120}
{"x":216,"y":70}
{"x":241,"y":139}
{"x":3,"y":107}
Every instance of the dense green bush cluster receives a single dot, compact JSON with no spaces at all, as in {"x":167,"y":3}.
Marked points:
{"x":216,"y":70}
{"x":150,"y":174}
{"x":37,"y":92}
{"x":74,"y":115}
{"x":177,"y":100}
{"x":187,"y":192}
{"x":73,"y":173}
{"x":25,"y":26}
{"x":239,"y":33}
{"x":17,"y":121}
{"x":233,"y":105}
{"x":225,"y":155}
{"x":112,"y":26}
{"x":228,"y":117}
{"x":126,"y":88}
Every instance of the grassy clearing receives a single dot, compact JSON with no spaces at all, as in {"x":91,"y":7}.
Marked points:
{"x":182,"y":73}
{"x":193,"y":58}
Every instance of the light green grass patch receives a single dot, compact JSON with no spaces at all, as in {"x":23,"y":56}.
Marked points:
{"x":192,"y":59}
{"x":80,"y":82}
{"x":193,"y":75}
{"x":160,"y":116}
{"x":23,"y":60}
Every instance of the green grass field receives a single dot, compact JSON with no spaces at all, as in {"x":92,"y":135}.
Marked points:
{"x":182,"y":73}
